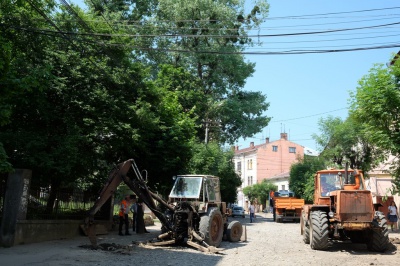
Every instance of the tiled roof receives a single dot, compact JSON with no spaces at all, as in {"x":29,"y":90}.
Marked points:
{"x":281,"y":175}
{"x":255,"y":147}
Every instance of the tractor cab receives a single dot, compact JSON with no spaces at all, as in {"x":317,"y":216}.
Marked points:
{"x":202,"y":191}
{"x":329,"y":181}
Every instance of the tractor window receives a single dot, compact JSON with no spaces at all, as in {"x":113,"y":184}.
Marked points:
{"x":210,"y":187}
{"x":186,"y":188}
{"x":329,"y":182}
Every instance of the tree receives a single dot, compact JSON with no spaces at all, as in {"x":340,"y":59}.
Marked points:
{"x":263,"y":189}
{"x":250,"y":192}
{"x":259,"y":191}
{"x":376,"y":107}
{"x":82,"y":96}
{"x":301,"y":178}
{"x":75,"y":116}
{"x":206,"y":39}
{"x":211,"y":159}
{"x":344,"y":141}
{"x":19,"y":69}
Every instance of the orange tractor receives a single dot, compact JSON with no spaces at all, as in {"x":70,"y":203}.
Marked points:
{"x":343,"y":210}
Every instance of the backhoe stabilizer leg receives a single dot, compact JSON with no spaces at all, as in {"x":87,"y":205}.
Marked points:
{"x":165,"y":235}
{"x":161,"y":243}
{"x":199,"y":238}
{"x":209,"y":249}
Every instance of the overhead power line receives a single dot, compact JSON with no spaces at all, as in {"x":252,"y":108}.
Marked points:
{"x":338,"y":13}
{"x":209,"y":35}
{"x":284,"y":52}
{"x":312,"y":16}
{"x":302,"y":117}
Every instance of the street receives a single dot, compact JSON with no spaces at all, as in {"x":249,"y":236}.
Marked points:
{"x":267,"y":243}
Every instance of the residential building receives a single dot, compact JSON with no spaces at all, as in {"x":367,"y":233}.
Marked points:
{"x":379,"y":181}
{"x":269,"y":160}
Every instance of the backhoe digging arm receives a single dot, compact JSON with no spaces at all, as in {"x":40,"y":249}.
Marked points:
{"x":137,"y":184}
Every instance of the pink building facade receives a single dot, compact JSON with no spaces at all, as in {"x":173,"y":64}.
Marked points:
{"x":266,"y":161}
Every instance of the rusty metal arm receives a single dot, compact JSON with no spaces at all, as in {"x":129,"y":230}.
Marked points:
{"x":107,"y":191}
{"x":137,"y":184}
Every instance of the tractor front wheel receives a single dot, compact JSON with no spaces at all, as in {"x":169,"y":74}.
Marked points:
{"x":319,"y":233}
{"x":234,"y":231}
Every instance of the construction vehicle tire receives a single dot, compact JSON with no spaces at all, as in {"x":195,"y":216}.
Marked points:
{"x":379,"y":240}
{"x":305,"y":230}
{"x":319,"y":231}
{"x":212,"y":228}
{"x":234,"y":231}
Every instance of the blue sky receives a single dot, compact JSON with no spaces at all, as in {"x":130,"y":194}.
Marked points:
{"x":303,"y":88}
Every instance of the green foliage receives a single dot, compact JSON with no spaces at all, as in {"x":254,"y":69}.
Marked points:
{"x":73,"y":105}
{"x":259,"y":191}
{"x":301,"y":178}
{"x":5,"y":166}
{"x":250,"y":192}
{"x":214,"y":62}
{"x":375,"y":106}
{"x":344,"y":141}
{"x":211,"y":159}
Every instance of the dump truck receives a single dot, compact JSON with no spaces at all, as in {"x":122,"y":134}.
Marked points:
{"x":286,"y":207}
{"x":194,"y":213}
{"x":343,"y":210}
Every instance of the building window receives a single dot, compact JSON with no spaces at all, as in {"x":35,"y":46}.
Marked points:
{"x":283,"y":187}
{"x":250,"y":164}
{"x":239,"y":166}
{"x":249,"y":180}
{"x":292,"y":149}
{"x":275,"y":148}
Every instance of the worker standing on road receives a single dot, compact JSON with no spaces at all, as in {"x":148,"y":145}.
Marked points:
{"x":251,"y":211}
{"x":271,"y":201}
{"x":123,"y":215}
{"x":134,"y":212}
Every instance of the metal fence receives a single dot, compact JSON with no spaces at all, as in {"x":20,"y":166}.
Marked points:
{"x":70,"y":204}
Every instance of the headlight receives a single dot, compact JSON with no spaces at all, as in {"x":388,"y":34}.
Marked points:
{"x":331,"y":214}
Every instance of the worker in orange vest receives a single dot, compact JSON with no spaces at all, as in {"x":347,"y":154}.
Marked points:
{"x":271,"y":200}
{"x":123,"y":215}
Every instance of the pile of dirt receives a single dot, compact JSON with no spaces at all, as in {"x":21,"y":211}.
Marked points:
{"x":394,"y":240}
{"x":112,"y":247}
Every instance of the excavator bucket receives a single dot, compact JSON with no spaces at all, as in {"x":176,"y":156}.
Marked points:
{"x":92,"y":235}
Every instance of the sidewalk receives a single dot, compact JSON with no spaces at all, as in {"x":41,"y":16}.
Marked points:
{"x":60,"y":252}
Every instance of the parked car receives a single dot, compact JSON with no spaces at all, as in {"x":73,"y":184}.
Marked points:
{"x":237,"y":211}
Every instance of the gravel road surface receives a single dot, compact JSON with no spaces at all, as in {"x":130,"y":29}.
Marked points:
{"x":268,"y":243}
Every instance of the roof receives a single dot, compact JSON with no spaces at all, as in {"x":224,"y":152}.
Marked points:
{"x":281,"y":175}
{"x":253,"y":148}
{"x":310,"y":152}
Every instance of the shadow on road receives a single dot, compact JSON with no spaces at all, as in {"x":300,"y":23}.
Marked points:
{"x":357,"y":249}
